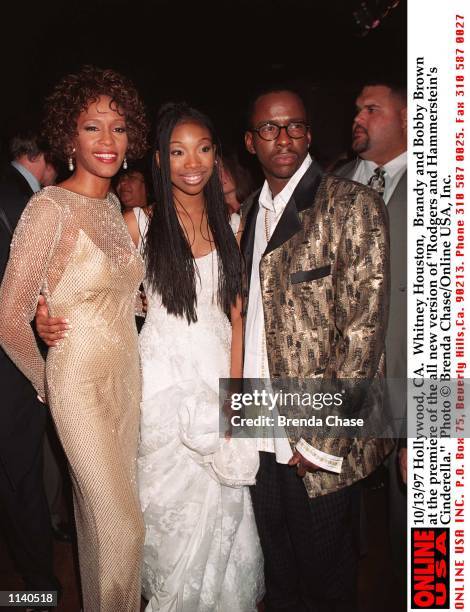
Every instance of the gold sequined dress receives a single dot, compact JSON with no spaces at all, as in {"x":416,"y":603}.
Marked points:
{"x":77,"y":251}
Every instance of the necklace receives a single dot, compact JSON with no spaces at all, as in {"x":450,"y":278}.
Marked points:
{"x":263,"y":333}
{"x":266,"y":225}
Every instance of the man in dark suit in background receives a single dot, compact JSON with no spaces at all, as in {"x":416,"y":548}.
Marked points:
{"x":24,"y":513}
{"x":379,"y":137}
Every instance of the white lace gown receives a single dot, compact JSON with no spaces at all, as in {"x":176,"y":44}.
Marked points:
{"x":202,"y":552}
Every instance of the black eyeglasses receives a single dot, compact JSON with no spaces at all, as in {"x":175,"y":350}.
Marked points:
{"x":271,"y":131}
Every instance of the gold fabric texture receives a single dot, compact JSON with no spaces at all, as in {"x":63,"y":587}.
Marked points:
{"x":333,"y":324}
{"x":78,"y":252}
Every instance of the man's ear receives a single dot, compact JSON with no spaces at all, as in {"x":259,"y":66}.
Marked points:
{"x":309,"y":137}
{"x":157,"y":158}
{"x":36,"y":158}
{"x":249,"y":142}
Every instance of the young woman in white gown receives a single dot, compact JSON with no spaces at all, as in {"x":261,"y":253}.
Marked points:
{"x":202,"y":552}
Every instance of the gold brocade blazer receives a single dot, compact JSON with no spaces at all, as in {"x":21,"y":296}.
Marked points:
{"x":325,"y":290}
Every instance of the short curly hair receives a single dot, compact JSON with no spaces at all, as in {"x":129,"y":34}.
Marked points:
{"x":73,"y":95}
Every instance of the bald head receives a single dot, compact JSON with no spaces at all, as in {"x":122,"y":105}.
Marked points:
{"x":379,"y":128}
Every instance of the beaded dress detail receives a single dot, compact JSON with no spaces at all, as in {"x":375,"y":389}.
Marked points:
{"x":77,"y":251}
{"x":202,"y":552}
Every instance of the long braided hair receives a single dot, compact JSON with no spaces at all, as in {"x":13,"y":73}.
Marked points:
{"x":171,"y":269}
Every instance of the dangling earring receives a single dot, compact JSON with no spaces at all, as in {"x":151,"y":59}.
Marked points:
{"x":71,"y":166}
{"x":124,"y":164}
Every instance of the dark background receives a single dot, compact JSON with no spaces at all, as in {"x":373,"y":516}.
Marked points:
{"x":212,"y":54}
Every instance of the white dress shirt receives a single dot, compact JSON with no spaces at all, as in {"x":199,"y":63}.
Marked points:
{"x":394,"y":170}
{"x":256,"y":357}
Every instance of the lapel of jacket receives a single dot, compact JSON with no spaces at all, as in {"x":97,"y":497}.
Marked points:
{"x":399,"y":193}
{"x":303,"y":197}
{"x":22,"y":192}
{"x":22,"y":183}
{"x":289,"y":223}
{"x":247,"y":242}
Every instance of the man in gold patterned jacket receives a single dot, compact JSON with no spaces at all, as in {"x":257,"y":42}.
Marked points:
{"x":316,"y":251}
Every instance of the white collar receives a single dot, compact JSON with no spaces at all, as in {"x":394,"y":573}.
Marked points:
{"x":393,"y":167}
{"x":279,"y":201}
{"x":30,"y":178}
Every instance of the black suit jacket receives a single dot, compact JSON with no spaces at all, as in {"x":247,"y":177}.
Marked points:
{"x":22,"y":416}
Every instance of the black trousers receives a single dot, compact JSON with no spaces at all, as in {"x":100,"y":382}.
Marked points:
{"x":310,"y":546}
{"x":25,"y":523}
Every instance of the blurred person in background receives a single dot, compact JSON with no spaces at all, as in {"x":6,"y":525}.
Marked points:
{"x":237,"y":184}
{"x":51,"y":172}
{"x":379,"y":139}
{"x":24,"y":512}
{"x":134,"y":189}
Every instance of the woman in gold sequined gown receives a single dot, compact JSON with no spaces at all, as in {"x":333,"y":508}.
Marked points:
{"x":72,"y":245}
